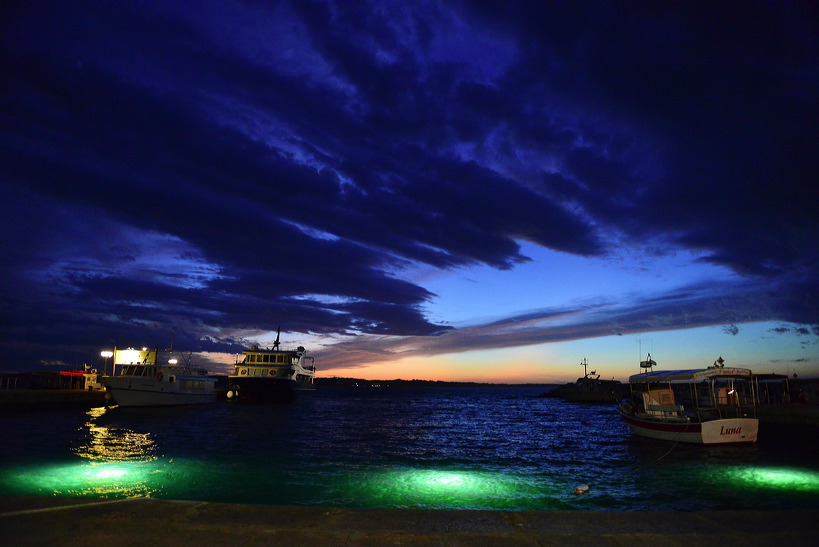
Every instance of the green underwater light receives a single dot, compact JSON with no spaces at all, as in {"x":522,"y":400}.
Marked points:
{"x":119,"y":479}
{"x":113,"y":473}
{"x":114,"y":462}
{"x":784,"y":478}
{"x":448,"y":489}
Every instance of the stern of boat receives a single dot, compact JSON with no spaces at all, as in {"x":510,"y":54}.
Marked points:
{"x":732,"y":430}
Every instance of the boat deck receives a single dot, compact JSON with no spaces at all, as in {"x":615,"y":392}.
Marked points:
{"x":145,"y":521}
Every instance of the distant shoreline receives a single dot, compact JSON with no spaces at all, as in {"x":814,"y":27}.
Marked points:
{"x":359,"y":383}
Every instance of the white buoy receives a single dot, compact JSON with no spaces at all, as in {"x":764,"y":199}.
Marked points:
{"x":582,"y":489}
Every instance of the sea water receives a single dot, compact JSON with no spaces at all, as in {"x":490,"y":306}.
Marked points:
{"x":438,"y":448}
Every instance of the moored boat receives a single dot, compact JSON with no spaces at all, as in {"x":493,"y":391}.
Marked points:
{"x":270,"y":375}
{"x":51,"y":389}
{"x":704,"y":406}
{"x":156,"y":378}
{"x":590,"y":389}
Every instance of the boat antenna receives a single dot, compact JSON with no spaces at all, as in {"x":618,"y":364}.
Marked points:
{"x":173,"y":336}
{"x":585,"y":364}
{"x":276,"y":343}
{"x":639,"y":349}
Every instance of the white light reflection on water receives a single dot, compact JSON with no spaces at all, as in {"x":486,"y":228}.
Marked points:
{"x":113,"y":444}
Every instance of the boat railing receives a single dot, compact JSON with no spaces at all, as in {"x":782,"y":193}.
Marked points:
{"x":189,"y":371}
{"x":666,"y":408}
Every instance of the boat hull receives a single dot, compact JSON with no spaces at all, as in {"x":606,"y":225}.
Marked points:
{"x":253,"y":390}
{"x":128,"y":392}
{"x":603,"y":395}
{"x":724,"y":431}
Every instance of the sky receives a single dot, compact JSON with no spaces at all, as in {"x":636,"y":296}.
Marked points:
{"x":472,"y":191}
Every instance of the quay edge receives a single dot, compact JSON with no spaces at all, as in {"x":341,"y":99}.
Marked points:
{"x":143,"y":521}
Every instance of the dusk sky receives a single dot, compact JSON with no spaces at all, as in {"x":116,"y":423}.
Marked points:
{"x":479,"y":191}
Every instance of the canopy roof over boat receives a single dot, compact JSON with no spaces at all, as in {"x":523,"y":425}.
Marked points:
{"x":693,"y":375}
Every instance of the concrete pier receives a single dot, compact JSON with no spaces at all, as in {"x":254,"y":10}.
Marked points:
{"x":145,"y":521}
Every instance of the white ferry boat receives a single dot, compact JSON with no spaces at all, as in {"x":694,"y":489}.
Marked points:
{"x":143,"y":377}
{"x":704,"y":406}
{"x":270,"y":375}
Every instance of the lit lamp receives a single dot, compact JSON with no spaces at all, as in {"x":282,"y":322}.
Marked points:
{"x":106,"y":354}
{"x":172,"y":361}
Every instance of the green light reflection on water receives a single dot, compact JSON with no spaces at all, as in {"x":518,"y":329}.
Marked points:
{"x":114,"y":462}
{"x":449,"y":489}
{"x":116,"y":479}
{"x":775,"y":478}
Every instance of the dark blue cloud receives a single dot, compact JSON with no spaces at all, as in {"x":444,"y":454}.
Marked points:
{"x":240,"y":166}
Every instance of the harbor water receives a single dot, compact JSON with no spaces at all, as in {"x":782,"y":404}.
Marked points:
{"x":493,"y":448}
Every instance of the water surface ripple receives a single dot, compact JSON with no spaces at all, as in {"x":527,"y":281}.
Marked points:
{"x":441,"y":448}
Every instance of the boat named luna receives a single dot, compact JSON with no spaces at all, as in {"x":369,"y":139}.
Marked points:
{"x":264,"y":375}
{"x":704,"y":406}
{"x":155,"y":378}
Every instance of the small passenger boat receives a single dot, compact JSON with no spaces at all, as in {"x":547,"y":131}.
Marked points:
{"x":271,"y":375}
{"x":703,"y":406}
{"x":156,"y":378}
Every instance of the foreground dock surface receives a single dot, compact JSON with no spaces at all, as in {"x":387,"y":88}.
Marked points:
{"x":86,"y":522}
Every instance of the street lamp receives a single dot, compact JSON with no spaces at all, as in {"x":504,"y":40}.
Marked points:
{"x":106,"y":354}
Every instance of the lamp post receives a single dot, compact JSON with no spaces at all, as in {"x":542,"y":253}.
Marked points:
{"x":106,"y":354}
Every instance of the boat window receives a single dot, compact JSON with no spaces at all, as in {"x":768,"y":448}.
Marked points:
{"x":192,"y":385}
{"x":280,"y":359}
{"x":657,"y":401}
{"x":266,"y":358}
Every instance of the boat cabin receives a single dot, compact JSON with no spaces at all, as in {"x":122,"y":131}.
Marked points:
{"x":270,"y":358}
{"x":669,"y":393}
{"x":275,"y":364}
